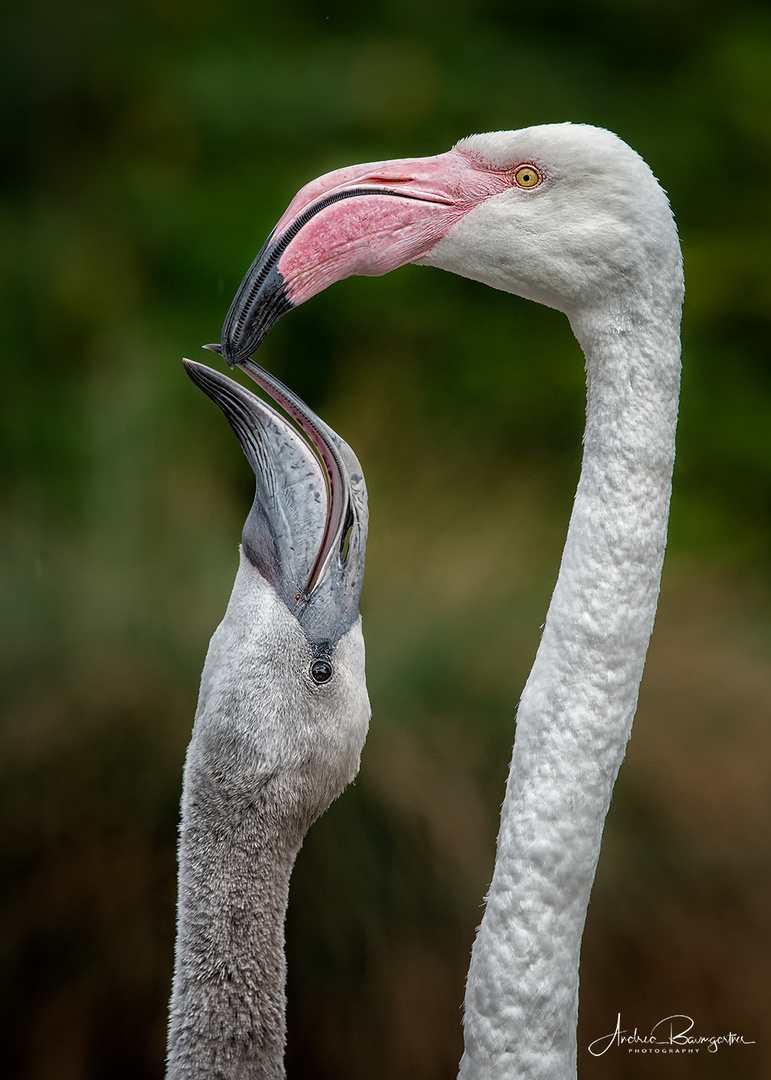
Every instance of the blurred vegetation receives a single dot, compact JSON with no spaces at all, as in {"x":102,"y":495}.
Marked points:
{"x":149,"y":146}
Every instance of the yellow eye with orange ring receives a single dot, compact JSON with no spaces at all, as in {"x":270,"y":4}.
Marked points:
{"x":527,"y":176}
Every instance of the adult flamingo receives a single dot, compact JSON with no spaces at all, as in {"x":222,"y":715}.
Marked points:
{"x":569,"y":216}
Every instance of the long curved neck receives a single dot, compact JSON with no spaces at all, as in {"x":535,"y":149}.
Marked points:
{"x":227,"y":1012}
{"x":576,"y":711}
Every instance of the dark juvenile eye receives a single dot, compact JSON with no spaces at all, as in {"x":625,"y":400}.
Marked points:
{"x":321,"y":671}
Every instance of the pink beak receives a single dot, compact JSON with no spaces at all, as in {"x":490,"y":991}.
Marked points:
{"x":364,"y":219}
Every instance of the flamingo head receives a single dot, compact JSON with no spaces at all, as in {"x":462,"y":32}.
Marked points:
{"x":564,"y":214}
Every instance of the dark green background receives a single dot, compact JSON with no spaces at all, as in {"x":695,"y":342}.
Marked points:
{"x":148,"y":148}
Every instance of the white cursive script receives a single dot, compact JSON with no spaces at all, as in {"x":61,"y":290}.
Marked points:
{"x":678,"y":1036}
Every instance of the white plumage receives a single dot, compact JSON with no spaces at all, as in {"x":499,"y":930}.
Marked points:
{"x":571,"y":217}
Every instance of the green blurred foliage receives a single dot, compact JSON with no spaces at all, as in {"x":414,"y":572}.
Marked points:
{"x":149,"y":146}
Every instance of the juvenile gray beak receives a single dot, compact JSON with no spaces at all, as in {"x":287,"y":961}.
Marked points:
{"x":307,"y":530}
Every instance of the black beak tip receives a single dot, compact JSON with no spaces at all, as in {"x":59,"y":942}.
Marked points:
{"x":229,"y":354}
{"x":260,"y":302}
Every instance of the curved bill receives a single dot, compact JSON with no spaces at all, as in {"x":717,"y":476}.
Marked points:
{"x":331,"y":450}
{"x":364,"y":219}
{"x":307,"y":530}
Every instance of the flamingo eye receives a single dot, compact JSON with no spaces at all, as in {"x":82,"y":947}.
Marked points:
{"x":321,"y":671}
{"x":527,"y":176}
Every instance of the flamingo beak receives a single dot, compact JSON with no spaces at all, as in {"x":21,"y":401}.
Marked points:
{"x":364,"y":219}
{"x":307,"y":530}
